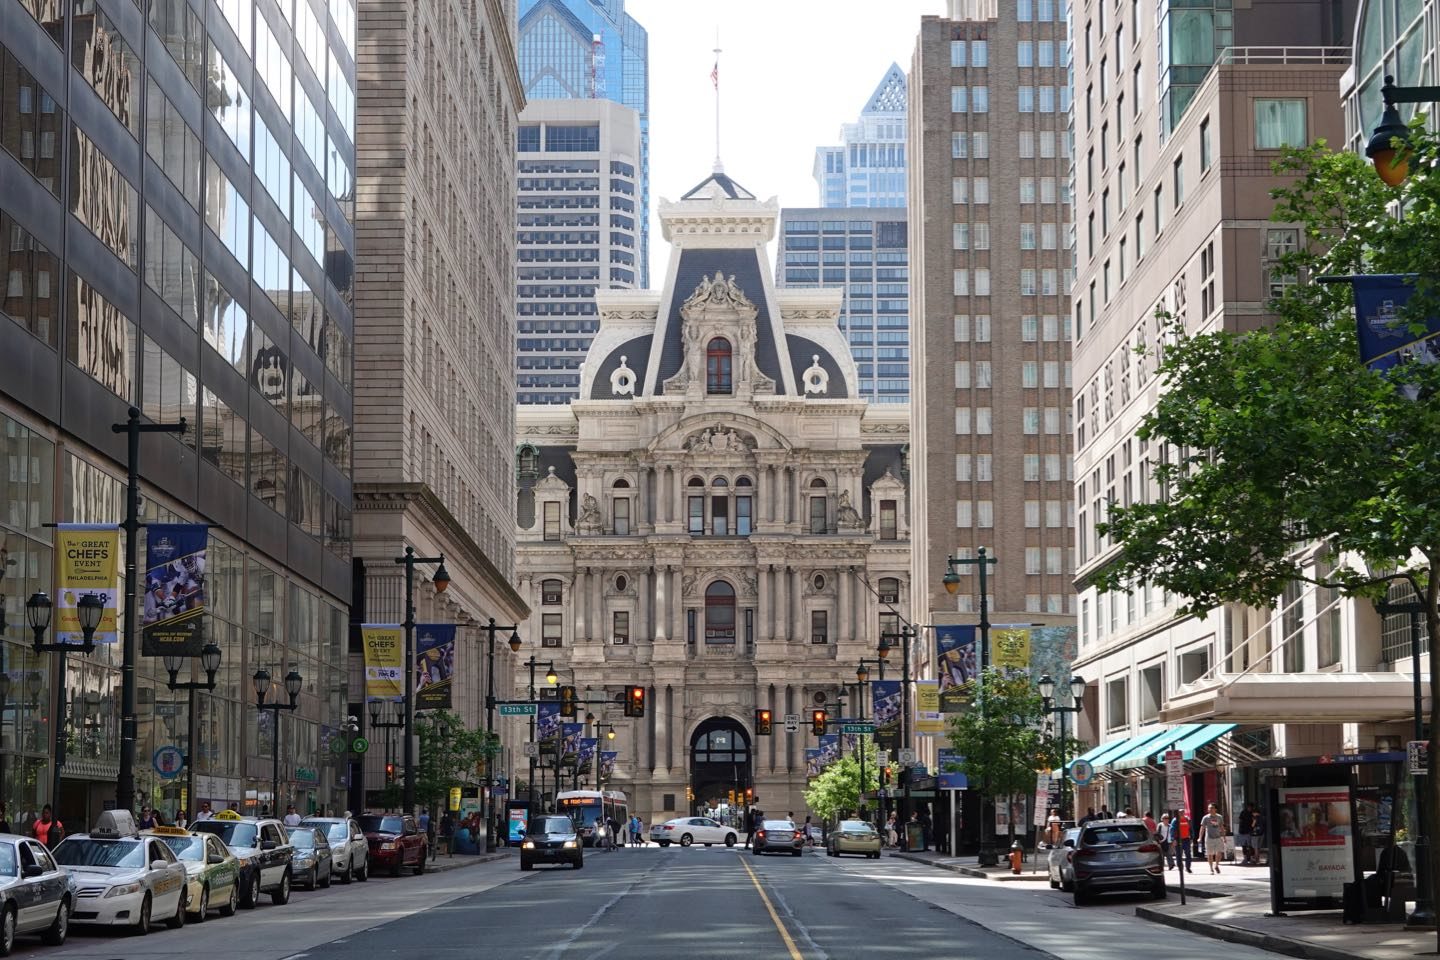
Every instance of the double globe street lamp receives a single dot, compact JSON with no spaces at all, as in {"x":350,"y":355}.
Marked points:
{"x":293,"y":683}
{"x":90,"y":610}
{"x":1077,"y":698}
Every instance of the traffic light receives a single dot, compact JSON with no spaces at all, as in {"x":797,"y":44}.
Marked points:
{"x":730,"y":797}
{"x":635,"y":702}
{"x":885,"y":775}
{"x":749,"y":793}
{"x":389,"y":773}
{"x":817,"y":722}
{"x":762,"y":723}
{"x":567,"y":701}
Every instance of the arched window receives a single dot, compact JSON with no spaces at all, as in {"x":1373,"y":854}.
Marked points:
{"x":819,"y":506}
{"x":744,"y":506}
{"x":695,"y":505}
{"x":620,"y":508}
{"x":551,"y":592}
{"x":719,"y":613}
{"x":719,"y":507}
{"x":717,"y":366}
{"x":889,"y":590}
{"x":527,"y":465}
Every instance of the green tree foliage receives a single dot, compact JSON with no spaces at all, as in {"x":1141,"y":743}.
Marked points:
{"x":449,"y":754}
{"x":836,"y":791}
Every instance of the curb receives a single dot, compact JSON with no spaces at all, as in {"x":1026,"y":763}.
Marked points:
{"x":1250,"y":938}
{"x":462,"y":861}
{"x":978,"y":874}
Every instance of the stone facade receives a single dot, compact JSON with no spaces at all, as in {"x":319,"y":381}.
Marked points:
{"x":716,"y":519}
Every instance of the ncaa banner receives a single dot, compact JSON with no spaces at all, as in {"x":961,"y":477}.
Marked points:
{"x":929,"y":721}
{"x":829,"y":749}
{"x":547,"y":721}
{"x":573,"y":733}
{"x":607,"y":763}
{"x":950,"y":770}
{"x":1386,"y":339}
{"x":956,"y":655}
{"x":434,"y":665}
{"x":173,"y":618}
{"x":812,"y":762}
{"x":587,"y":750}
{"x":885,"y":704}
{"x":86,"y":561}
{"x":384,"y":645}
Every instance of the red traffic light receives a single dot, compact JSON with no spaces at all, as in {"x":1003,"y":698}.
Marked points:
{"x":635,"y":702}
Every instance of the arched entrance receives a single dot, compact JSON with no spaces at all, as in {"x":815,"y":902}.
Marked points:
{"x":719,"y":764}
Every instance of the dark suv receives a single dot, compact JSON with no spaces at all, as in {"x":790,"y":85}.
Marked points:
{"x":551,"y":839}
{"x":1112,"y":855}
{"x":395,"y":841}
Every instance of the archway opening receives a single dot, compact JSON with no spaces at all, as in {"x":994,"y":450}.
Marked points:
{"x":720,"y":769}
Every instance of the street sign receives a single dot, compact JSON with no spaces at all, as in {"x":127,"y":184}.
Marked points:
{"x":338,"y":745}
{"x":882,"y":757}
{"x":1082,"y":772}
{"x":857,"y":728}
{"x":792,"y":723}
{"x":1417,"y":752}
{"x":532,"y":749}
{"x":907,"y":757}
{"x":1175,"y":779}
{"x":359,"y":744}
{"x":792,"y":718}
{"x":517,"y":709}
{"x":168,"y":761}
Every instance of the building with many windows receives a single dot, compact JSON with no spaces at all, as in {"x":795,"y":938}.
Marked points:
{"x":592,"y":50}
{"x":176,"y":197}
{"x":867,"y":167}
{"x":721,"y":519}
{"x":580,"y":221}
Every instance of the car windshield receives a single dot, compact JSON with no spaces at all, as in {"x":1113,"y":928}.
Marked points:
{"x":779,"y":825}
{"x":85,"y":852}
{"x":552,"y":825}
{"x":7,"y":860}
{"x":233,"y":832}
{"x":187,"y":848}
{"x":302,"y":839}
{"x":1119,"y":833}
{"x":373,"y":824}
{"x":856,"y":826}
{"x":335,"y":831}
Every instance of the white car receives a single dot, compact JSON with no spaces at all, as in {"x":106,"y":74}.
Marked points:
{"x":348,"y":846}
{"x":122,"y":878}
{"x":688,"y":830}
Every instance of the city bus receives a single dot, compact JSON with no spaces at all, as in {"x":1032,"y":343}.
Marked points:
{"x":590,"y":807}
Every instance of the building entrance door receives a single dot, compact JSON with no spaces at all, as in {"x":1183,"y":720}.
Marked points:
{"x":720,"y":769}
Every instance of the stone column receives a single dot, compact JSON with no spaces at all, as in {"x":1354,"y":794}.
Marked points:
{"x":601,"y":623}
{"x":777,"y":606}
{"x":762,"y":613}
{"x":579,"y":599}
{"x":662,"y":620}
{"x":662,"y":730}
{"x":846,"y":617}
{"x":642,"y":629}
{"x":797,"y":606}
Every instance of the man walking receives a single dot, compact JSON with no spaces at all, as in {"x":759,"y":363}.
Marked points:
{"x":1212,"y":827}
{"x":1180,"y":827}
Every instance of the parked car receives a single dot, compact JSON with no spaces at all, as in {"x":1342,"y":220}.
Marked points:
{"x":1062,"y":877}
{"x":313,"y":860}
{"x":853,"y":836}
{"x":1120,"y":854}
{"x":212,"y":871}
{"x":778,"y":836}
{"x":551,"y":839}
{"x":688,"y":830}
{"x":395,"y":841}
{"x":263,"y":848}
{"x":122,"y":878}
{"x":349,"y":851}
{"x":36,"y":893}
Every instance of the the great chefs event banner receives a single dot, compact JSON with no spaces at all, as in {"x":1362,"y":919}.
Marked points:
{"x":384,"y":660}
{"x":173,"y":618}
{"x":86,"y":561}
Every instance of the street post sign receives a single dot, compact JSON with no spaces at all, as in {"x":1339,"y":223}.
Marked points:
{"x":907,"y":756}
{"x":532,"y":749}
{"x":857,"y":728}
{"x":359,"y":745}
{"x":517,"y":709}
{"x":1417,"y":752}
{"x":792,"y":723}
{"x":1081,"y":772}
{"x":1175,"y":779}
{"x":882,"y":757}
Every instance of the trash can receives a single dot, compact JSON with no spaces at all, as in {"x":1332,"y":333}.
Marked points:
{"x":914,"y":837}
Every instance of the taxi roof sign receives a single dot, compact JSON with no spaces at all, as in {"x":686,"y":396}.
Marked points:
{"x":114,"y":824}
{"x":168,"y":832}
{"x":227,"y":815}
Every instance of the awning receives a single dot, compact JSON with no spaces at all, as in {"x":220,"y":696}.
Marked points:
{"x":1103,"y":754}
{"x":1374,"y":697}
{"x":1094,"y":752}
{"x":1139,"y":754}
{"x":1207,"y":733}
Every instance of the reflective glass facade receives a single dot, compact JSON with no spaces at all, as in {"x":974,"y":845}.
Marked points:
{"x":867,"y":168}
{"x":177,"y":206}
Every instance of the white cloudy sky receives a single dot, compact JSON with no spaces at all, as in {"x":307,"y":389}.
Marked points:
{"x":791,"y":72}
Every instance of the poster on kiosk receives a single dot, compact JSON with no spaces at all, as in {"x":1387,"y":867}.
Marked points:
{"x":1315,"y":841}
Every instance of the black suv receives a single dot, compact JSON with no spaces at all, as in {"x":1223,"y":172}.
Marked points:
{"x":263,"y":848}
{"x":551,"y":839}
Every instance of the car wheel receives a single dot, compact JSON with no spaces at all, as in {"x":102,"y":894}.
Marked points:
{"x":281,"y":896}
{"x":7,"y":932}
{"x":1054,"y":884}
{"x":730,"y":839}
{"x":60,"y":928}
{"x":250,"y":899}
{"x":1159,"y":892}
{"x":1082,"y":897}
{"x":875,"y":855}
{"x":348,"y":875}
{"x":329,"y":878}
{"x":686,"y":840}
{"x":578,"y":862}
{"x":313,"y":879}
{"x":663,"y":843}
{"x":755,"y":851}
{"x":526,"y":865}
{"x":1068,"y":886}
{"x":227,"y":909}
{"x":178,"y":921}
{"x":363,"y":873}
{"x":797,"y":853}
{"x":142,"y":923}
{"x":204,"y":910}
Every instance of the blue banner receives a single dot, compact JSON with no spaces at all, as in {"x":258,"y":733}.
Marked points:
{"x":572,"y":733}
{"x":587,"y":750}
{"x":957,"y":659}
{"x":607,"y":763}
{"x":812,"y":761}
{"x":434,"y":665}
{"x":948,"y":775}
{"x":829,"y":749}
{"x":173,"y":618}
{"x":885,"y":708}
{"x":1387,"y":340}
{"x":547,"y":722}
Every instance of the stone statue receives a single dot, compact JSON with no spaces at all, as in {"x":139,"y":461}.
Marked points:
{"x":846,"y":516}
{"x":693,"y":358}
{"x":590,"y":519}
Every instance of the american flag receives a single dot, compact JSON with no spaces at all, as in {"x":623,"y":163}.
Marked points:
{"x":715,"y":74}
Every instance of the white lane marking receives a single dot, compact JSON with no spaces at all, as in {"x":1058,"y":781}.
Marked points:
{"x":559,"y":949}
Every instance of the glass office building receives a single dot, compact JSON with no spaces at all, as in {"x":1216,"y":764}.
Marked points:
{"x":176,"y":203}
{"x":867,"y":168}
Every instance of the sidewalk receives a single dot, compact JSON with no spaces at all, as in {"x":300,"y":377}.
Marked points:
{"x":445,"y":862}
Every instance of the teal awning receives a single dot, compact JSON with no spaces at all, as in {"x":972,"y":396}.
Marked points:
{"x":1139,"y":754}
{"x":1094,"y":752}
{"x":1140,"y":741}
{"x":1207,"y":733}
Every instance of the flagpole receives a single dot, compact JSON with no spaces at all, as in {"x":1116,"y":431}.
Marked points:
{"x":715,"y":78}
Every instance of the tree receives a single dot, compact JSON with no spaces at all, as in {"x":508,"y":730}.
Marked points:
{"x":1285,"y":446}
{"x":449,"y":755}
{"x":837,"y":790}
{"x":1005,"y":738}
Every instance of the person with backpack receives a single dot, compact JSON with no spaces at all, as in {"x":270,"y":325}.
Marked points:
{"x":48,"y":830}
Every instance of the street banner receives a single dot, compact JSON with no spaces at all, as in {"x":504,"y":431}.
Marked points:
{"x":607,"y":763}
{"x":929,"y":721}
{"x":1042,"y":798}
{"x":587,"y":750}
{"x":949,"y":770}
{"x":812,"y":762}
{"x":829,"y":749}
{"x":1314,"y":831}
{"x":1386,"y":339}
{"x":434,"y":665}
{"x":1010,"y":647}
{"x":885,"y":708}
{"x":958,"y":664}
{"x":384,"y":645}
{"x":572,"y":734}
{"x":173,"y":619}
{"x":547,"y":721}
{"x":86,"y":561}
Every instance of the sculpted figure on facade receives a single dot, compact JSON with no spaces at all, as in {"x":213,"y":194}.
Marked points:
{"x":590,"y":520}
{"x":846,"y":516}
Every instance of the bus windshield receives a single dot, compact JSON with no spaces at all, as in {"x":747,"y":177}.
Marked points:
{"x":584,"y":813}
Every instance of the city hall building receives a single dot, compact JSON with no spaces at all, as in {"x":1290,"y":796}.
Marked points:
{"x":720,"y":519}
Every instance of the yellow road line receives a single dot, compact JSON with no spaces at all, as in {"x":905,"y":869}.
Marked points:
{"x":784,"y":934}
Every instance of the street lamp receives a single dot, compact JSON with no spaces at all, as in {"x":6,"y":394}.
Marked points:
{"x":1392,"y":163}
{"x":174,"y":663}
{"x":1077,"y":697}
{"x":38,"y":612}
{"x":551,"y":678}
{"x":987,"y":856}
{"x":387,"y":715}
{"x":907,"y":635}
{"x":441,"y":580}
{"x":491,"y":629}
{"x":261,"y":682}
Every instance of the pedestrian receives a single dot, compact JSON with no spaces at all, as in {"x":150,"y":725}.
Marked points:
{"x":181,"y":820}
{"x":292,"y":819}
{"x":4,"y":819}
{"x":1180,"y":824}
{"x":808,"y":841}
{"x":447,"y":834}
{"x":1167,"y":848}
{"x":428,"y":826}
{"x":1053,"y":829}
{"x":1257,"y":835}
{"x":613,"y":829}
{"x":1244,"y":833}
{"x":892,"y":832}
{"x":147,"y":819}
{"x":1212,"y":827}
{"x":1149,"y":823}
{"x":1089,"y":815}
{"x":204,"y":813}
{"x":1105,"y":813}
{"x":923,"y":818}
{"x":48,"y":830}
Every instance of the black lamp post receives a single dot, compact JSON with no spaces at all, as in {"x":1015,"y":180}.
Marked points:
{"x":174,"y":663}
{"x":951,"y":580}
{"x":486,"y":803}
{"x":441,"y":581}
{"x":862,"y":675}
{"x":38,"y":611}
{"x":293,"y":683}
{"x":1077,"y":697}
{"x":907,"y":635}
{"x":552,"y":678}
{"x":1392,"y":163}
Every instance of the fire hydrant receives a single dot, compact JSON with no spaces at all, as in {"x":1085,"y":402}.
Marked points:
{"x":1017,"y":857}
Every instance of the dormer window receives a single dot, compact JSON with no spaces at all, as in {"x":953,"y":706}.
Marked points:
{"x":717,"y":366}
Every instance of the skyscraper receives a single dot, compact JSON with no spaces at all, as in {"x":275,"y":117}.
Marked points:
{"x":867,"y":168}
{"x":591,"y":50}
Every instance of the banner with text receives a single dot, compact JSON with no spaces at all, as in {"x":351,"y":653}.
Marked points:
{"x":434,"y":665}
{"x":956,"y":656}
{"x":812,"y":762}
{"x":885,"y":708}
{"x":86,"y":561}
{"x":607,"y":763}
{"x":384,"y":645}
{"x":572,"y":733}
{"x":1010,"y":647}
{"x":587,"y":750}
{"x":1316,"y":860}
{"x":173,"y":619}
{"x":829,"y":749}
{"x":547,"y":721}
{"x":929,"y":721}
{"x":950,"y":770}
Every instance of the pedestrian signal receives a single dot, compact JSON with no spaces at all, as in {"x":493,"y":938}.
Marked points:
{"x":567,"y":701}
{"x":817,"y":722}
{"x":763,"y":721}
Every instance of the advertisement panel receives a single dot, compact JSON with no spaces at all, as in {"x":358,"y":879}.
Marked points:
{"x":587,"y":750}
{"x":86,"y":561}
{"x":957,"y":660}
{"x":950,"y":771}
{"x":384,"y":645}
{"x":928,"y":719}
{"x":829,"y":749}
{"x":434,"y":665}
{"x":885,"y":707}
{"x":1010,"y":647}
{"x":572,"y":733}
{"x":812,"y":762}
{"x":173,"y":618}
{"x":1314,"y":833}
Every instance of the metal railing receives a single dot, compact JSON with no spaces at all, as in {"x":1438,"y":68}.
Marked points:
{"x":1253,"y":56}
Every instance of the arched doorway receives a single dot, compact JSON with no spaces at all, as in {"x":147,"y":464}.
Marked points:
{"x":719,"y":764}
